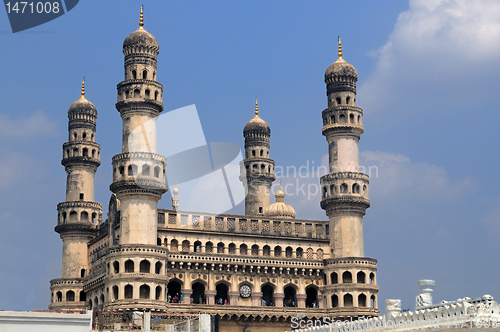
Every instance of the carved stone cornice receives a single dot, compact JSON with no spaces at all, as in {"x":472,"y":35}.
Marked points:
{"x":139,"y":186}
{"x":81,"y":161}
{"x":343,"y":129}
{"x":345,"y":203}
{"x":79,"y":229}
{"x":139,"y":106}
{"x":79,"y":204}
{"x":127,"y":156}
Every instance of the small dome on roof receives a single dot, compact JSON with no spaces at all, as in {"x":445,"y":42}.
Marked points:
{"x":341,"y":67}
{"x":82,"y":104}
{"x":280,"y":209}
{"x":257,"y":124}
{"x":140,"y":37}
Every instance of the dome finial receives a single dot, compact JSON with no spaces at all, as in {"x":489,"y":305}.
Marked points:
{"x":141,"y":21}
{"x":83,"y":88}
{"x":340,"y":49}
{"x":256,"y":108}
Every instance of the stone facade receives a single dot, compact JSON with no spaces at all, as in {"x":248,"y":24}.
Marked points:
{"x":262,"y":267}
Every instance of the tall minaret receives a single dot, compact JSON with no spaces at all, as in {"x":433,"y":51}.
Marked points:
{"x":345,"y":193}
{"x":79,"y":214}
{"x":138,"y":172}
{"x":258,"y":173}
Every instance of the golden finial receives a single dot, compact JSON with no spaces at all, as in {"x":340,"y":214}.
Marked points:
{"x":141,"y":21}
{"x":256,"y":108}
{"x":340,"y":49}
{"x":83,"y":88}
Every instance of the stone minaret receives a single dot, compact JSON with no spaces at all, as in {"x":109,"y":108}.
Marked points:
{"x":138,"y":172}
{"x":79,"y":214}
{"x":258,"y":172}
{"x":345,"y":194}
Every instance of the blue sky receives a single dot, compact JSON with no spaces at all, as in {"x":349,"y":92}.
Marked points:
{"x":428,"y":84}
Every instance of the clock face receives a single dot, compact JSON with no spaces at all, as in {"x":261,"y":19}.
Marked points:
{"x":245,"y":291}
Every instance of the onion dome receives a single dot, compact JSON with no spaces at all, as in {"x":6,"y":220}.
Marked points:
{"x":141,"y":37}
{"x":257,"y":124}
{"x":82,"y":104}
{"x":280,"y":209}
{"x":341,"y":67}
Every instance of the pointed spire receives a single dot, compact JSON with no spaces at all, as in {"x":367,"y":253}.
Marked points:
{"x":83,"y":88}
{"x":340,"y":49}
{"x":175,"y":198}
{"x":256,"y":108}
{"x":141,"y":21}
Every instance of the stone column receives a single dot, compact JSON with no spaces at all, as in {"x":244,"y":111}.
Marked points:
{"x":257,"y":299}
{"x":321,"y":301}
{"x":425,"y":297}
{"x":301,"y":300}
{"x":210,"y":294}
{"x":233,"y":297}
{"x":186,"y":298}
{"x":278,"y":298}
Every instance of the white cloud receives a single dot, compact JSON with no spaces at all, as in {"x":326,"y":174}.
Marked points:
{"x":438,"y":50}
{"x":36,"y":125}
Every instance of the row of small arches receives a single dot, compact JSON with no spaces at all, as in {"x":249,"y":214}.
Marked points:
{"x":349,"y":301}
{"x":129,"y":267}
{"x":69,"y":296}
{"x":136,"y":93}
{"x":73,"y":217}
{"x":145,"y":75}
{"x":133,"y":170}
{"x":344,"y":189}
{"x":342,"y":118}
{"x":84,"y":136}
{"x":259,"y":168}
{"x":338,"y":100}
{"x":347,"y":278}
{"x":260,"y":152}
{"x":75,"y":152}
{"x":254,"y":250}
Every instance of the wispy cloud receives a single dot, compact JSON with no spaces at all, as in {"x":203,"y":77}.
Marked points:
{"x":37,"y":125}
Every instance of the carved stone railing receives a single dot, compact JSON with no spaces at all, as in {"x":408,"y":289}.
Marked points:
{"x":237,"y":224}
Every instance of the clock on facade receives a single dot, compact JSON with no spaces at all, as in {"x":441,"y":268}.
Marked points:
{"x":245,"y":291}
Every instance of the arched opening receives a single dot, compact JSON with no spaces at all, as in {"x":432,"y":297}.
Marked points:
{"x":253,"y":153}
{"x":90,"y":304}
{"x":83,"y":296}
{"x":221,"y":297}
{"x":266,"y":250}
{"x":115,"y":292}
{"x":173,"y":291}
{"x":290,"y":299}
{"x":121,"y":170}
{"x":299,"y":252}
{"x":243,"y":249}
{"x":351,"y":118}
{"x":312,"y":297}
{"x":130,"y":172}
{"x":262,"y":169}
{"x":334,"y":277}
{"x":59,"y":296}
{"x":156,"y":95}
{"x":158,"y":267}
{"x":319,"y":254}
{"x":75,"y":152}
{"x":145,"y":74}
{"x":348,"y":300}
{"x":129,"y":292}
{"x":335,"y":301}
{"x":347,"y":277}
{"x":342,"y":118}
{"x":332,"y":119}
{"x":145,"y":266}
{"x":134,"y":74}
{"x":73,"y":216}
{"x":343,"y":188}
{"x":361,"y":300}
{"x":157,"y":172}
{"x":85,"y":152}
{"x":232,"y":248}
{"x":70,"y":296}
{"x":116,"y":267}
{"x":359,"y":119}
{"x":288,"y":252}
{"x":372,"y":278}
{"x":144,"y":292}
{"x":129,"y":266}
{"x":174,"y":245}
{"x":261,"y":153}
{"x":277,"y":251}
{"x":255,"y":250}
{"x":147,"y":94}
{"x":94,"y":216}
{"x":198,"y":296}
{"x":209,"y":247}
{"x":325,"y":192}
{"x":337,"y":100}
{"x":158,"y":293}
{"x":185,"y":246}
{"x":145,"y":170}
{"x":267,"y":295}
{"x":137,"y":93}
{"x":355,"y":188}
{"x":158,"y":241}
{"x":93,"y":153}
{"x":348,"y":100}
{"x":82,"y":273}
{"x":372,"y":300}
{"x":364,"y":190}
{"x":197,"y":246}
{"x":361,"y":277}
{"x":154,"y":75}
{"x":84,"y":217}
{"x":220,"y":248}
{"x":64,"y":217}
{"x":75,"y":136}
